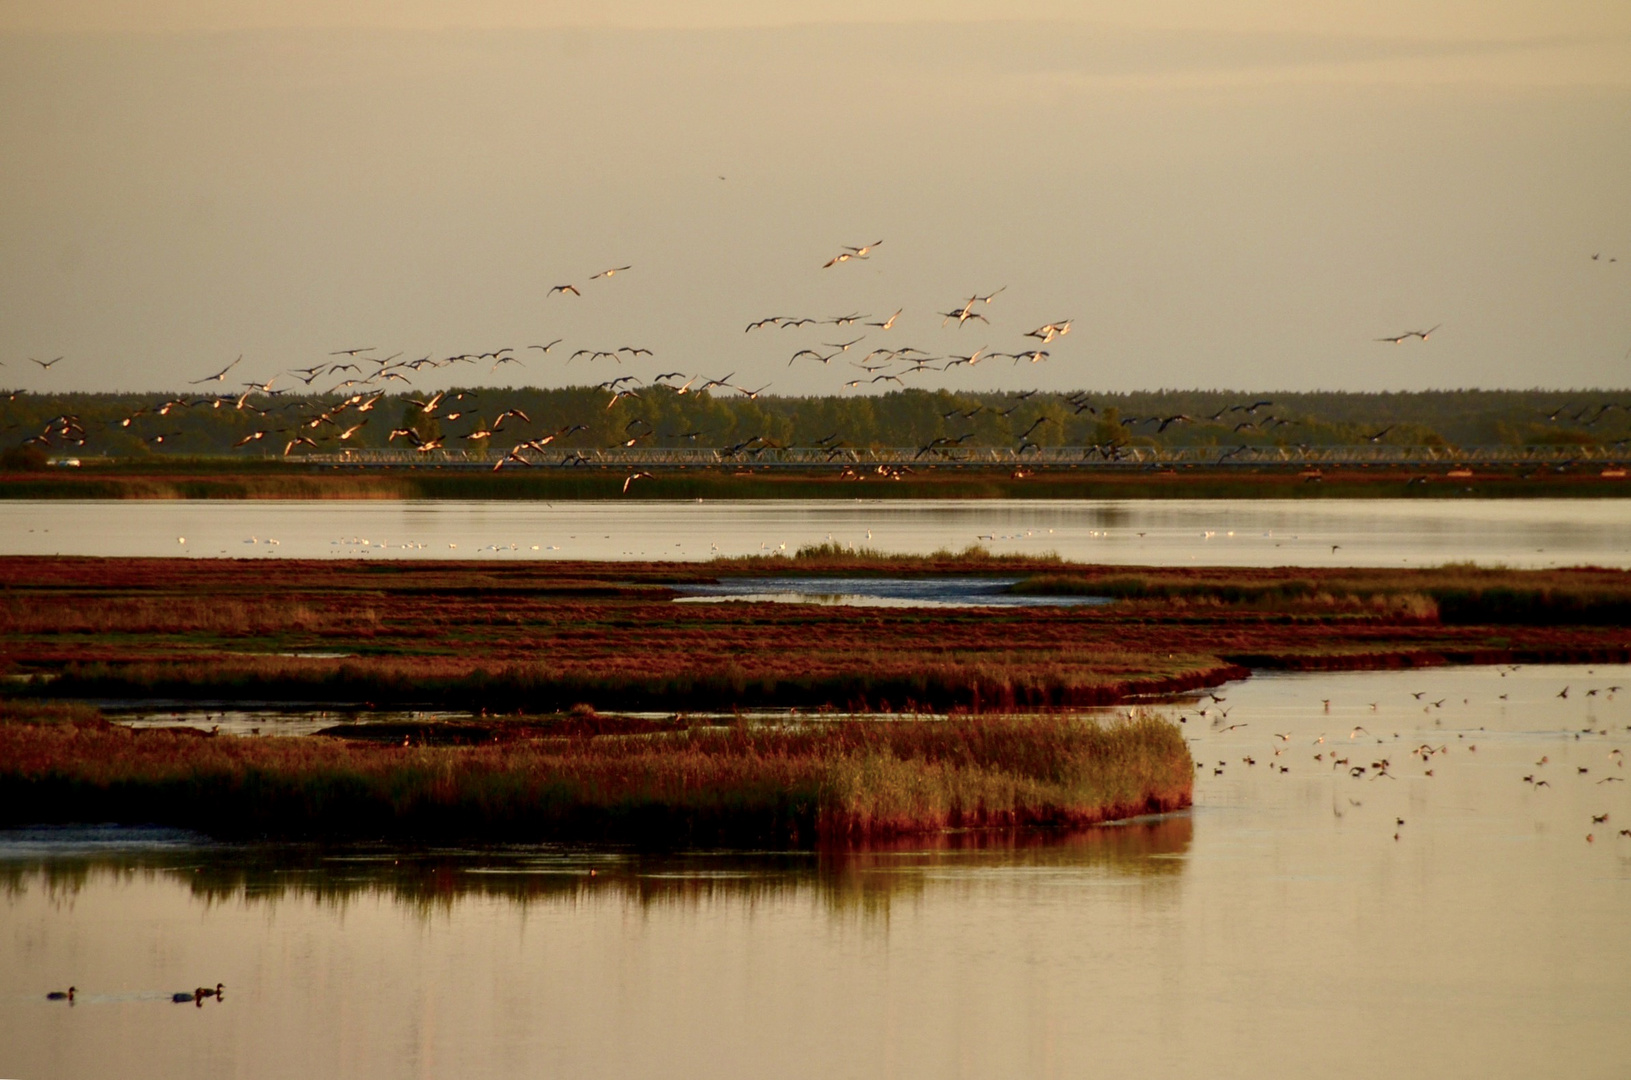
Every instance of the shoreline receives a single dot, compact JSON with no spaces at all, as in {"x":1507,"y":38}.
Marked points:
{"x":747,"y":481}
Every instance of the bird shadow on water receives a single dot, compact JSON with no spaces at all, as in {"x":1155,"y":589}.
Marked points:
{"x":861,"y":879}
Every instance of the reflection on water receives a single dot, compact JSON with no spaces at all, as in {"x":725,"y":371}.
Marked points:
{"x":1456,"y":907}
{"x":270,"y":720}
{"x":875,"y":592}
{"x":1215,"y":532}
{"x":67,"y":861}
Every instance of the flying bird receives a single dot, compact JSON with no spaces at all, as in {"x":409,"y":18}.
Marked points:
{"x":221,"y":375}
{"x":1400,"y":339}
{"x":1048,"y":331}
{"x":609,"y":273}
{"x":851,"y":253}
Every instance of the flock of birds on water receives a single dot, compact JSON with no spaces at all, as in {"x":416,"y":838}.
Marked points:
{"x":1352,"y":755}
{"x":358,"y":380}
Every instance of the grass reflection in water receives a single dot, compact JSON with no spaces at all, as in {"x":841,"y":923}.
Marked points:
{"x":861,"y":877}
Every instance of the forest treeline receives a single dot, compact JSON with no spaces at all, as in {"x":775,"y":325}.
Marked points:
{"x":498,"y":418}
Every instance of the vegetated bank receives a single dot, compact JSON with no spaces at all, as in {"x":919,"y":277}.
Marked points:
{"x":585,"y":777}
{"x":541,"y":636}
{"x":227,"y":479}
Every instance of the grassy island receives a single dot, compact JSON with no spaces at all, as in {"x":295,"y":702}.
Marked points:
{"x":589,"y":777}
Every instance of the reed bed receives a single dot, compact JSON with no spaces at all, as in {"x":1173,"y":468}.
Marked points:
{"x":1454,"y":594}
{"x":815,"y":783}
{"x":898,"y":681}
{"x":544,"y":636}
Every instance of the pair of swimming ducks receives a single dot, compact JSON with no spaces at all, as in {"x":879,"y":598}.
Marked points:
{"x":196,"y":997}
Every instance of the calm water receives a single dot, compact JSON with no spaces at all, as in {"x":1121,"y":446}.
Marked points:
{"x":1531,"y":532}
{"x":955,"y":592}
{"x":1288,"y":925}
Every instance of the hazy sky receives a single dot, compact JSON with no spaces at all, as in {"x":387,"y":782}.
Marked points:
{"x":1238,"y":195}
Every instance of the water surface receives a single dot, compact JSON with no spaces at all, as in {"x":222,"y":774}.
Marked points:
{"x":957,"y":592}
{"x":1288,"y":925}
{"x":1221,"y":532}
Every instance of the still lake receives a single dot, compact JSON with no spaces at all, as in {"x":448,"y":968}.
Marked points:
{"x":1289,"y":924}
{"x":1217,"y":532}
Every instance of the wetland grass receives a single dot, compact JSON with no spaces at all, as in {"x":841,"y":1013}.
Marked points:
{"x":540,"y":637}
{"x":814,"y":783}
{"x":1454,"y":594}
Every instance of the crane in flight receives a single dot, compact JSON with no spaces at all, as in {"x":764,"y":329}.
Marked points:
{"x":220,"y":376}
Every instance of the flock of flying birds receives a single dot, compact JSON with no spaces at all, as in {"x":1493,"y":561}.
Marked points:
{"x":362,"y":379}
{"x":357,"y":380}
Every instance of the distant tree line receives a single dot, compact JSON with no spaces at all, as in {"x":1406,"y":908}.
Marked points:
{"x":578,"y":418}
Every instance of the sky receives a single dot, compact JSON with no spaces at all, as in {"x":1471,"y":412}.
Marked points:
{"x":1235,"y":195}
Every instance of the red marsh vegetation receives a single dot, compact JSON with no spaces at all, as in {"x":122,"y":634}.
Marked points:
{"x":811,"y":783}
{"x":542,"y":636}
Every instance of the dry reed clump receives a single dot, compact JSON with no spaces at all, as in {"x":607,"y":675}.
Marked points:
{"x":807,"y":783}
{"x":830,"y":555}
